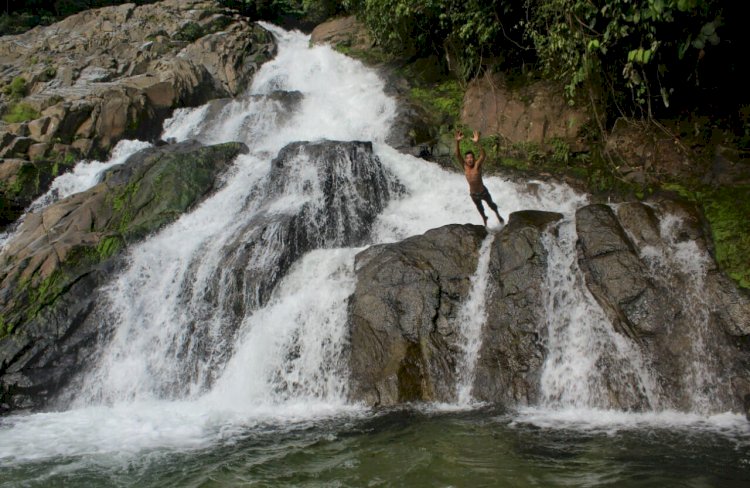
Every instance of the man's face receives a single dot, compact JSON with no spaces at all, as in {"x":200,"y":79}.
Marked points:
{"x":469,"y":159}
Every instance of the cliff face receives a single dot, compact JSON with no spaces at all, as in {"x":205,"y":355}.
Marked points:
{"x":660,"y":296}
{"x":75,"y":88}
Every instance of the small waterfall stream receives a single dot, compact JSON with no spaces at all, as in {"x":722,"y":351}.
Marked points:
{"x":586,"y":357}
{"x":471,"y":318}
{"x":183,"y":368}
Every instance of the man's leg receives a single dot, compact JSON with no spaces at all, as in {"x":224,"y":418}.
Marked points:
{"x":480,"y":207}
{"x":488,"y":199}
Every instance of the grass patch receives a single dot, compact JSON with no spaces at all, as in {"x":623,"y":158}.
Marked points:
{"x":727,"y":210}
{"x":20,"y":112}
{"x":190,"y":32}
{"x":17,"y":88}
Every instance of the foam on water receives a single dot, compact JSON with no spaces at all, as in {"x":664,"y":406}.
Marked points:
{"x":613,"y":421}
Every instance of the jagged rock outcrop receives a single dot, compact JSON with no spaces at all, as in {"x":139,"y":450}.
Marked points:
{"x":51,"y":270}
{"x":405,"y":336}
{"x":403,"y":312}
{"x":112,"y":73}
{"x":648,"y":267}
{"x":318,"y":195}
{"x":343,"y":32}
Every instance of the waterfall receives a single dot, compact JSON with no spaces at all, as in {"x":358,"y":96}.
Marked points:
{"x":589,"y":364}
{"x":219,"y":321}
{"x":684,"y":263}
{"x":471,"y":318}
{"x":178,"y":307}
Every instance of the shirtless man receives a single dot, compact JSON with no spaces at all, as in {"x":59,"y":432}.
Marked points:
{"x":473,"y":172}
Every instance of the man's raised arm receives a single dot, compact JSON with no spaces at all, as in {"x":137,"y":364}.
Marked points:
{"x":459,"y":157}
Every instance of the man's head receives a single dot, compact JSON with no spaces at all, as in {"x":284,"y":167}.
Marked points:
{"x":469,"y":158}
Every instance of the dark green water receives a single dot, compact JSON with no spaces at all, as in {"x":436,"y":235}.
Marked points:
{"x":415,"y":449}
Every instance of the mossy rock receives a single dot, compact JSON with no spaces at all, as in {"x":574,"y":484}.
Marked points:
{"x":153,"y":188}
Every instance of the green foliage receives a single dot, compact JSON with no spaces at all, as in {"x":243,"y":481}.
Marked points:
{"x":18,"y":22}
{"x":444,"y":99}
{"x":121,"y":202}
{"x":314,"y":11}
{"x":17,"y":88}
{"x":726,"y":210}
{"x":109,"y":246}
{"x":22,"y":16}
{"x":560,"y":152}
{"x":20,"y":112}
{"x":464,"y":30}
{"x":645,"y":49}
{"x":5,"y":328}
{"x":189,"y":32}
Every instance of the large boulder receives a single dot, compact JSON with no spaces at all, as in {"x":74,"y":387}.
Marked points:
{"x":406,"y":339}
{"x":667,"y":330}
{"x":344,"y":33}
{"x":117,"y":72}
{"x":51,"y":270}
{"x":318,"y":195}
{"x":649,"y":268}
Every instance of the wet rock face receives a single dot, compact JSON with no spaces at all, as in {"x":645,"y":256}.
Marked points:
{"x":619,"y":277}
{"x":51,"y":270}
{"x":513,"y":350}
{"x":646,"y":266}
{"x":117,"y":72}
{"x":405,"y":336}
{"x":318,"y":195}
{"x":402,"y":315}
{"x":649,"y":269}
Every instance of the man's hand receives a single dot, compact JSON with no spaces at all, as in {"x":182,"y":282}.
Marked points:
{"x":476,"y":136}
{"x":459,"y":135}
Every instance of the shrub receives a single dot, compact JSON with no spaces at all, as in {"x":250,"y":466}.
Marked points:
{"x":20,"y":112}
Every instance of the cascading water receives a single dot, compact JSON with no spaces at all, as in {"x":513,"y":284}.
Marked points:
{"x":471,"y":318}
{"x":683,"y":262}
{"x":172,"y":332}
{"x":588,"y":364}
{"x":195,"y":357}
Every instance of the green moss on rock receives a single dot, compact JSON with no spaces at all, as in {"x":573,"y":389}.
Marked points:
{"x":144,"y":195}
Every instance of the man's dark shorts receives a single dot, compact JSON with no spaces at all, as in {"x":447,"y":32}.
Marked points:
{"x":482,"y":195}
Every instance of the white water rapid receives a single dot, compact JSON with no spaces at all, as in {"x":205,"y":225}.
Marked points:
{"x":150,"y":388}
